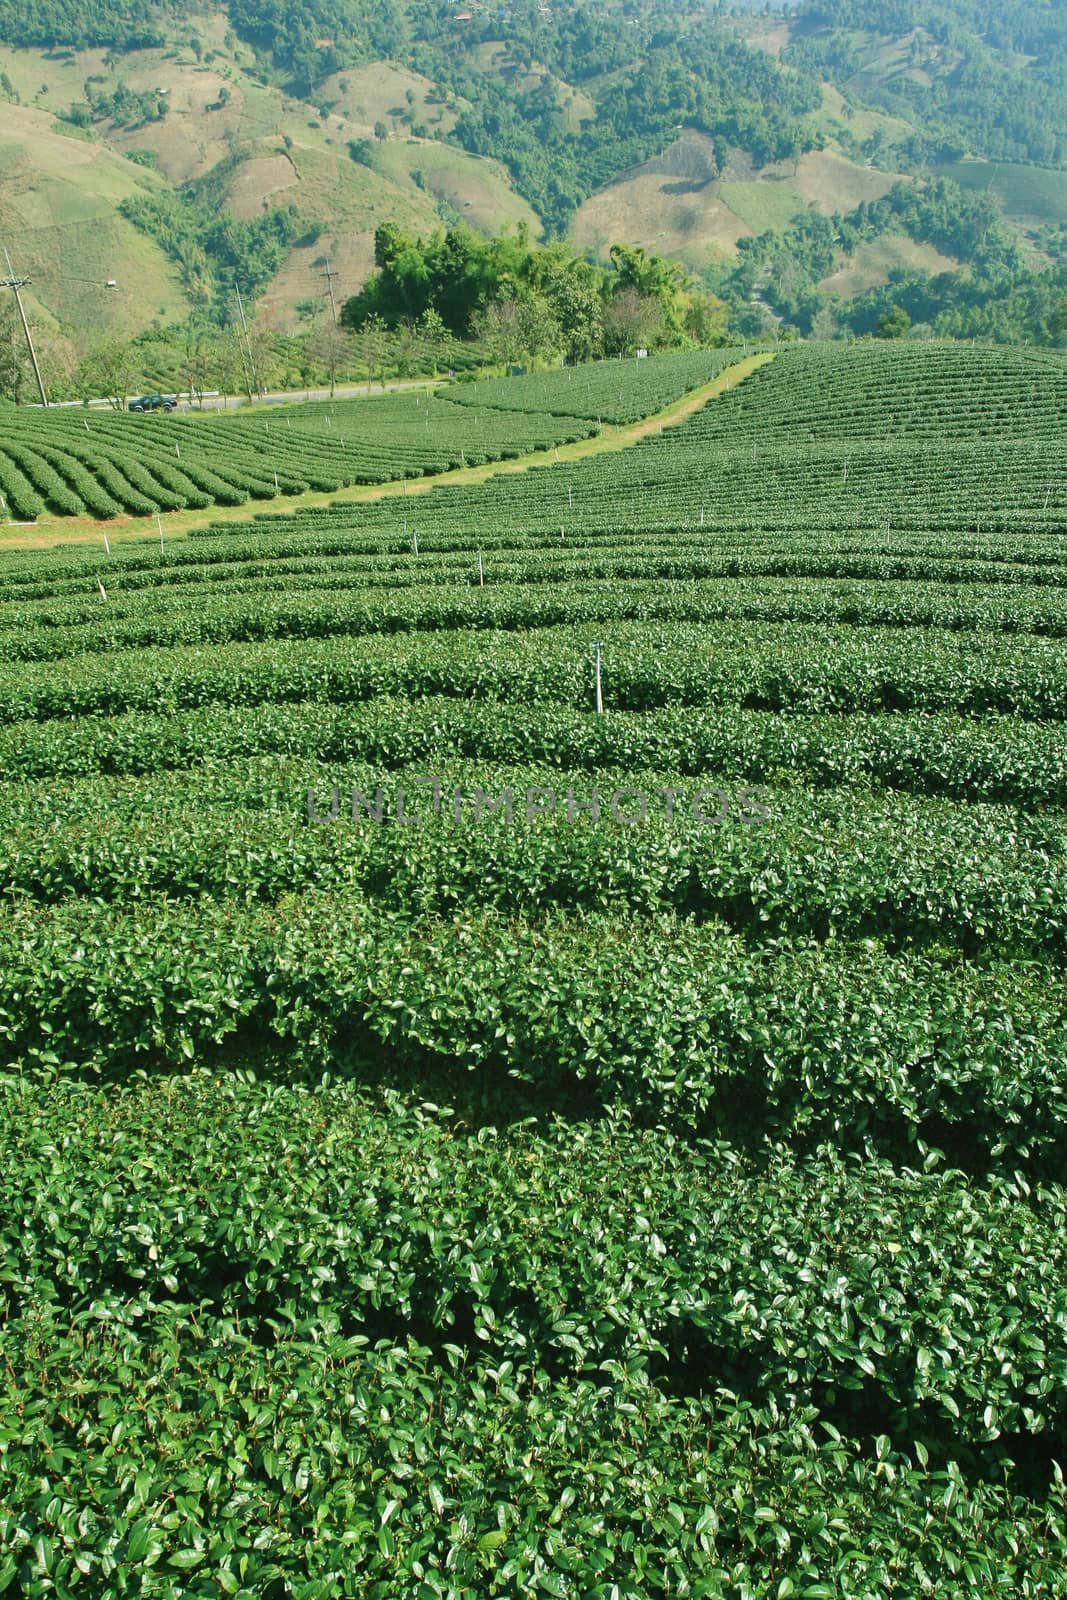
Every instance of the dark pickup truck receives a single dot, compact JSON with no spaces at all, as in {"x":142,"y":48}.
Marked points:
{"x":154,"y":402}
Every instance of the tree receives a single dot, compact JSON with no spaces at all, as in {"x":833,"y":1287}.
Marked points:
{"x":111,"y":368}
{"x":707,"y":319}
{"x":433,"y":339}
{"x":222,"y":363}
{"x":657,"y":280}
{"x":893,"y":324}
{"x":405,"y":349}
{"x":571,"y":289}
{"x":330,"y":344}
{"x":372,"y":343}
{"x":632,"y":321}
{"x":1058,"y":320}
{"x":509,"y":330}
{"x":824,"y":323}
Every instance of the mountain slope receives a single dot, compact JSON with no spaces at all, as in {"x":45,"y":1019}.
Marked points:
{"x":675,"y":128}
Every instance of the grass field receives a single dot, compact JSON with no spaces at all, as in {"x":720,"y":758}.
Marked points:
{"x":59,"y":196}
{"x":762,"y":205}
{"x":477,"y":190}
{"x":872,"y":262}
{"x":462,"y":1141}
{"x":1035,"y":194}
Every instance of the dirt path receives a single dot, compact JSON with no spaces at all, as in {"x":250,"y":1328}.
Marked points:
{"x":49,"y":532}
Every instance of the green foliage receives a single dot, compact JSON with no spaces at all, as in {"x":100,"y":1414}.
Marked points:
{"x":1001,"y":297}
{"x":612,"y":391}
{"x":110,"y":464}
{"x":968,"y":89}
{"x":214,"y":251}
{"x":520,"y":301}
{"x":357,"y":31}
{"x":124,"y":24}
{"x":468,"y":1205}
{"x":664,"y":71}
{"x":893,"y":324}
{"x":366,"y":1346}
{"x":124,"y":108}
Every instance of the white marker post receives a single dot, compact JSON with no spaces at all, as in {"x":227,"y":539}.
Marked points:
{"x":415,"y":539}
{"x":481,"y":570}
{"x":107,"y":547}
{"x":159,"y":525}
{"x":570,"y":498}
{"x":100,"y":586}
{"x":599,"y":694}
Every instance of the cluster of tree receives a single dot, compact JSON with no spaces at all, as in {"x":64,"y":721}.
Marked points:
{"x":987,"y":79}
{"x":307,"y":43}
{"x":1008,"y":307}
{"x":670,"y":70}
{"x":200,"y":357}
{"x":126,"y":24}
{"x":212,"y":249}
{"x":1001,"y":296}
{"x":122,"y":106}
{"x":521,"y":301}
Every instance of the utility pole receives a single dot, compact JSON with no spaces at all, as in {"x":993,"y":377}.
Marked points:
{"x":247,"y":347}
{"x":330,"y":275}
{"x":15,"y":284}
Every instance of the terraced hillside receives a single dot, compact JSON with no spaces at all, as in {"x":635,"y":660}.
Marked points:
{"x":462,"y":1142}
{"x":71,"y":465}
{"x":65,"y":463}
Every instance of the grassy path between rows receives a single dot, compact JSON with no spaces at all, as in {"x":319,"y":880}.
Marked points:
{"x":48,"y":532}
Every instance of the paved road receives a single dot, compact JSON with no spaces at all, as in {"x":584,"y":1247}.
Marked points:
{"x":232,"y":402}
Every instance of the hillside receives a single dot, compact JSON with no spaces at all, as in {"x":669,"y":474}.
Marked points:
{"x":670,"y":126}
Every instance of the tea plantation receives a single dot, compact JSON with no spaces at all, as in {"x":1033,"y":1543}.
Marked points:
{"x":72,"y":463}
{"x":461,"y":1143}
